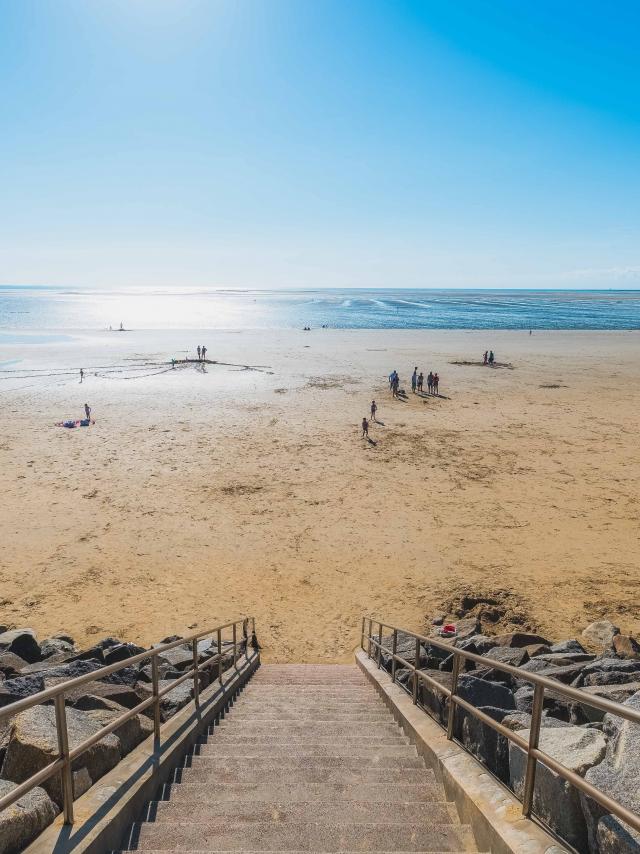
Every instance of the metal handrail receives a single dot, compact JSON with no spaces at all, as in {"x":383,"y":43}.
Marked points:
{"x":540,"y":683}
{"x":62,"y":763}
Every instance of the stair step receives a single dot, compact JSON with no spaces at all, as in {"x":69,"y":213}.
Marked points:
{"x":231,"y":737}
{"x":317,"y":714}
{"x":322,"y":812}
{"x":302,"y":836}
{"x":301,"y":752}
{"x":209,"y":771}
{"x":427,"y":790}
{"x":303,"y":727}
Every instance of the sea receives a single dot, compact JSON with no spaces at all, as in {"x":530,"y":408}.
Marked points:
{"x":55,"y":311}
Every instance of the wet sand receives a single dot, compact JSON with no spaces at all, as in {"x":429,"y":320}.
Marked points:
{"x":201,"y":495}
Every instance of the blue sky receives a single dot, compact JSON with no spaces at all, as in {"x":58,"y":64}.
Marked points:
{"x":302,"y":143}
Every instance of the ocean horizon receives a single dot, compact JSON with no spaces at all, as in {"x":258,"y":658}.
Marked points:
{"x":61,"y":310}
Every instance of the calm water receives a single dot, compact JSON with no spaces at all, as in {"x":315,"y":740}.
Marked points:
{"x":54,"y":312}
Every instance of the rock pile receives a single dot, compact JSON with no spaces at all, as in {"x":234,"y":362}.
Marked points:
{"x":28,"y":741}
{"x":602,"y":748}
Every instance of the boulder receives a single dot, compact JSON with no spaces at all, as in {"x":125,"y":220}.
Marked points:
{"x":626,"y":646}
{"x":606,"y":665}
{"x":33,"y":744}
{"x":616,"y":693}
{"x":405,"y":648}
{"x":480,"y":693}
{"x":554,"y":799}
{"x":535,"y":649}
{"x":432,"y":699}
{"x":87,"y":697}
{"x":67,"y":670}
{"x":181,"y":658}
{"x":487,"y":745}
{"x":21,"y":642}
{"x":174,"y":700}
{"x":121,"y":652}
{"x":566,"y":674}
{"x":467,"y":628}
{"x":11,"y":664}
{"x":521,"y":720}
{"x":615,"y":837}
{"x":565,"y":659}
{"x":56,"y":646}
{"x":611,"y":677}
{"x":128,"y":675}
{"x":64,"y":636}
{"x":519,"y":639}
{"x":12,"y":690}
{"x":25,"y":819}
{"x":97,"y":651}
{"x":572,"y":645}
{"x":438,"y":620}
{"x":515,"y":656}
{"x":600,"y":634}
{"x":481,"y":643}
{"x":556,"y":705}
{"x":617,"y":776}
{"x":130,"y":733}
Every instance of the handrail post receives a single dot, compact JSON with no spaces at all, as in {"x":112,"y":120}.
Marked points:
{"x":394,"y":649}
{"x":156,"y":700}
{"x":534,"y":736}
{"x":454,"y":688}
{"x":220,"y":655}
{"x":416,"y":662}
{"x":369,"y":637}
{"x":196,"y":673}
{"x":235,"y":642}
{"x":380,"y":646}
{"x":362,"y":635}
{"x":63,"y":748}
{"x":245,"y":632}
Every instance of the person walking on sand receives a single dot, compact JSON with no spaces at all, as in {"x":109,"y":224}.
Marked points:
{"x":87,"y":411}
{"x":430,"y":382}
{"x":396,"y":385}
{"x":491,"y":357}
{"x":414,"y":379}
{"x":365,"y":428}
{"x":420,"y":381}
{"x":374,"y":409}
{"x":436,"y":380}
{"x":198,"y":351}
{"x":204,"y":353}
{"x":485,"y":357}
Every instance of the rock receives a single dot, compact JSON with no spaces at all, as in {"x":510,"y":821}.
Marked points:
{"x":568,"y":646}
{"x":555,"y":704}
{"x":63,"y":636}
{"x":521,"y":720}
{"x":33,"y":744}
{"x":616,"y":693}
{"x":564,"y":659}
{"x":25,"y":819}
{"x":615,"y":837}
{"x":174,"y":700}
{"x":491,"y":748}
{"x":567,"y":674}
{"x":611,"y":677}
{"x":130,"y":733}
{"x":67,"y":670}
{"x":535,"y":649}
{"x":182,"y":657}
{"x":626,"y":647}
{"x":405,"y":648}
{"x":514,"y":656}
{"x":56,"y":646}
{"x":11,"y":665}
{"x":555,"y":800}
{"x":482,"y":643}
{"x":617,"y":776}
{"x":431,"y":698}
{"x":438,"y":620}
{"x":465,"y":663}
{"x":128,"y":675}
{"x":12,"y":690}
{"x":97,"y":651}
{"x":602,"y":666}
{"x":467,"y":628}
{"x":21,"y":642}
{"x":121,"y":652}
{"x":601,"y":633}
{"x":480,"y":693}
{"x":519,"y":639}
{"x":87,"y":697}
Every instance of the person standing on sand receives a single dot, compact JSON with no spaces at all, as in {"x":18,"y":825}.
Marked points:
{"x":485,"y":357}
{"x":87,"y":411}
{"x":198,"y":351}
{"x":204,"y":353}
{"x":374,"y":409}
{"x":396,"y":385}
{"x":436,"y":380}
{"x":365,"y":428}
{"x":420,"y":381}
{"x":491,"y":357}
{"x":414,"y":379}
{"x":430,"y":382}
{"x":81,"y":374}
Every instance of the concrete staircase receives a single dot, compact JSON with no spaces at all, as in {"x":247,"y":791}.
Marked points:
{"x":308,"y":759}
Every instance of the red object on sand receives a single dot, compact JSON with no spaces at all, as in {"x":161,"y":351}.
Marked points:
{"x":449,"y":629}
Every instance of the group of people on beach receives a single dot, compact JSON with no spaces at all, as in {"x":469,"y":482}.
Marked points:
{"x":202,"y":353}
{"x":417,"y":382}
{"x":488,"y":358}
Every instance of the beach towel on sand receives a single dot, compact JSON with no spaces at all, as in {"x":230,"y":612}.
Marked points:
{"x":83,"y":422}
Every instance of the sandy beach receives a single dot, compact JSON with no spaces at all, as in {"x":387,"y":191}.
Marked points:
{"x":199,"y":495}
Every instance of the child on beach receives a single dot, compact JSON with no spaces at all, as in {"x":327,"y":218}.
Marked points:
{"x":420,"y":381}
{"x":374,"y":409}
{"x":485,"y":357}
{"x":365,"y":428}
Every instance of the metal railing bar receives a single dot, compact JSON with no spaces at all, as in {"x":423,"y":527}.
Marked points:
{"x":102,"y":672}
{"x":489,"y":721}
{"x":35,"y":780}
